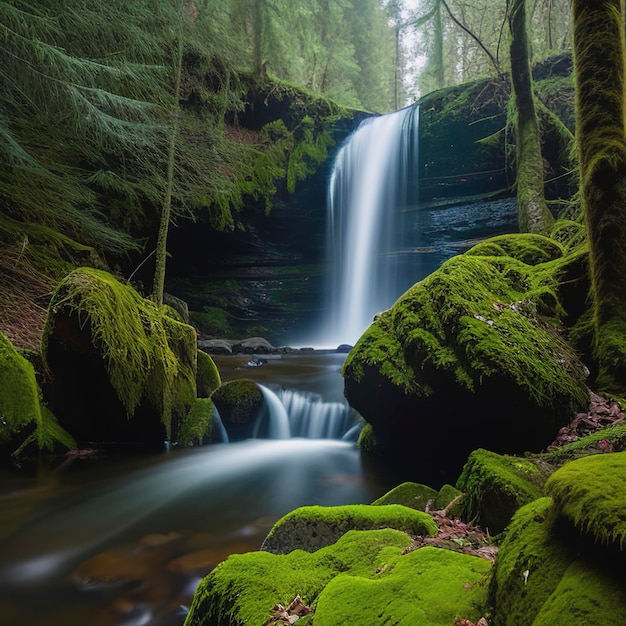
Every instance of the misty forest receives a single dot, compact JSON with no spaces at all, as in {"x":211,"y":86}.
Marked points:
{"x":313,"y":312}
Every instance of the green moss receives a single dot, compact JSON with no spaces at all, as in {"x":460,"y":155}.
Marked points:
{"x":530,"y":563}
{"x":362,"y":579}
{"x":495,"y":486}
{"x":19,"y":393}
{"x":427,"y":586}
{"x":413,"y":495}
{"x":197,"y":427}
{"x":367,"y":439}
{"x":585,"y":595}
{"x":238,"y":401}
{"x":529,"y":248}
{"x":613,"y":437}
{"x":449,"y":498}
{"x":313,"y":527}
{"x":474,"y":317}
{"x":590,"y":492}
{"x":21,"y":412}
{"x":243,"y":589}
{"x":207,"y":376}
{"x":146,"y":353}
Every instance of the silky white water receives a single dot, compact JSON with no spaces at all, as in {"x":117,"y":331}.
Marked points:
{"x":367,"y":188}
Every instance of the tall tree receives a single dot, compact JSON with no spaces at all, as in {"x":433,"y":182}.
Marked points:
{"x":534,"y":215}
{"x":599,"y":48}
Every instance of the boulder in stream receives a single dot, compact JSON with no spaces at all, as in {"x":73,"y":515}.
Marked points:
{"x":472,"y":356}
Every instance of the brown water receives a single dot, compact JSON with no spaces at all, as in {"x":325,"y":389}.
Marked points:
{"x":122,"y":541}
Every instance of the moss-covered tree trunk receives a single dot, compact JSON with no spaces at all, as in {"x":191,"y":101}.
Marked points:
{"x":534,"y":215}
{"x":600,"y":127}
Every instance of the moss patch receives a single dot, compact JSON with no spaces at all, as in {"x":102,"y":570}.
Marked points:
{"x":147,"y":355}
{"x":495,"y":486}
{"x":243,"y":589}
{"x":591,"y":492}
{"x":349,"y":582}
{"x":427,"y":586}
{"x":238,"y":403}
{"x":23,"y":419}
{"x":413,"y":495}
{"x":207,"y":376}
{"x":313,"y":527}
{"x":530,"y":563}
{"x":585,"y":595}
{"x":197,"y":427}
{"x":19,"y":393}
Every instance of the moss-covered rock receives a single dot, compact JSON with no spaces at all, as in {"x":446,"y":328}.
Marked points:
{"x":123,"y":369}
{"x":238,"y":403}
{"x":496,"y":486}
{"x":529,"y":565}
{"x":413,"y":495}
{"x":207,"y":376}
{"x":477,"y":347}
{"x":427,"y":586}
{"x":366,"y":570}
{"x":201,"y":424}
{"x":19,"y":393}
{"x":591,"y":494}
{"x":545,"y":575}
{"x":23,"y":419}
{"x":313,"y":527}
{"x":449,"y":498}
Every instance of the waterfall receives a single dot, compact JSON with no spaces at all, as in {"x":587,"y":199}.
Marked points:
{"x":218,"y":425}
{"x":291,"y":413}
{"x":371,"y":181}
{"x":276,"y":416}
{"x":311,"y":417}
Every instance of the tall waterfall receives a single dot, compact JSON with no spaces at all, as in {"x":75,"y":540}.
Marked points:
{"x":368,"y":188}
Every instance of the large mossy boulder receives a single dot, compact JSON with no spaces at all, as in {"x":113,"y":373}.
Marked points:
{"x":364,"y":578}
{"x":313,"y":527}
{"x":23,"y":418}
{"x":472,"y":356}
{"x":123,"y":370}
{"x":238,"y":403}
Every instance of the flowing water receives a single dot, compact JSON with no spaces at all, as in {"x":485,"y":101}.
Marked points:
{"x":123,"y":541}
{"x":369,"y":182}
{"x":380,"y":240}
{"x":105,"y":540}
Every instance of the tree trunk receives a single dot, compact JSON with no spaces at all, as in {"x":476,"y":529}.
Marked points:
{"x":600,"y":127}
{"x":160,"y":257}
{"x":534,"y":216}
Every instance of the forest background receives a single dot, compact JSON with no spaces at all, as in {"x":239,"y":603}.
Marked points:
{"x":118,"y":116}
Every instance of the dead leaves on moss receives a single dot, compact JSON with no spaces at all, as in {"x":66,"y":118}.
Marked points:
{"x":289,"y":615}
{"x":457,"y":536}
{"x":465,"y":622}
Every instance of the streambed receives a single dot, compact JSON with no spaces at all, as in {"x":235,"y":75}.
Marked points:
{"x":121,"y":540}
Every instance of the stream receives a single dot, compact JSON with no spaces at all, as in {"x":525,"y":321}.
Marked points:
{"x":123,"y":539}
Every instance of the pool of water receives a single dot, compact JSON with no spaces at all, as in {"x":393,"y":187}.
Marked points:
{"x":122,"y":540}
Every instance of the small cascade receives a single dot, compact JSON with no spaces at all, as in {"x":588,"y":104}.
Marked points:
{"x":274,"y":415}
{"x":290,"y":413}
{"x":312,"y":418}
{"x":218,"y":425}
{"x":373,"y":179}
